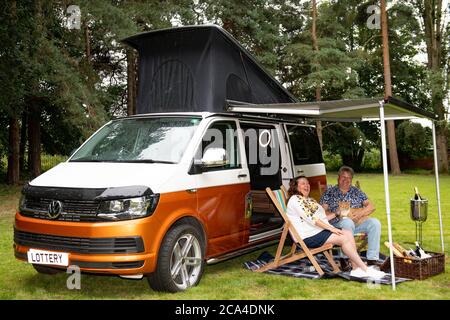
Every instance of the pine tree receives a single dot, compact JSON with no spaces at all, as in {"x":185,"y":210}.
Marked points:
{"x":393,"y":156}
{"x":435,"y":27}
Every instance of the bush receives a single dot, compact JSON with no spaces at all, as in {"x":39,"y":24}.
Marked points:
{"x":3,"y":167}
{"x":413,"y":140}
{"x":372,"y":160}
{"x":49,"y":161}
{"x":332,"y":161}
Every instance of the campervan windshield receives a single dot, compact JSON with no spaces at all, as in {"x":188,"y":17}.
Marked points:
{"x":146,"y":140}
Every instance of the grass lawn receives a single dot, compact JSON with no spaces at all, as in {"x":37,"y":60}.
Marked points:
{"x":230,"y":280}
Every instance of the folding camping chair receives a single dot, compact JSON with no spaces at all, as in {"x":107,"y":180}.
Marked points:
{"x":279,"y":200}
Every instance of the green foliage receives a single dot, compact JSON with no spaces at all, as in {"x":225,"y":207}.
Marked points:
{"x":347,"y":140}
{"x":49,"y":161}
{"x":332,"y":161}
{"x":76,"y":77}
{"x":3,"y":142}
{"x":372,"y":160}
{"x":254,"y":23}
{"x":349,"y":65}
{"x":331,"y":68}
{"x":414,"y":140}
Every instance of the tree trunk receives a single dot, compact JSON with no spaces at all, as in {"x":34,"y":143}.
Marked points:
{"x":34,"y":140}
{"x":316,"y":49}
{"x":88,"y":44}
{"x":354,"y":159}
{"x":13,"y":175}
{"x":33,"y":101}
{"x":442,"y":146}
{"x":131,"y":82}
{"x":90,"y":76}
{"x":13,"y":172}
{"x":433,"y":27}
{"x":23,"y":140}
{"x":393,"y":156}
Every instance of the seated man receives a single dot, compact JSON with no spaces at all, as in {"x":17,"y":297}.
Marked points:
{"x":360,"y":208}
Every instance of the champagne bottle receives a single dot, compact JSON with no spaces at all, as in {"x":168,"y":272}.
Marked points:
{"x":411,"y":253}
{"x":417,"y":251}
{"x":417,"y":195}
{"x":420,"y":252}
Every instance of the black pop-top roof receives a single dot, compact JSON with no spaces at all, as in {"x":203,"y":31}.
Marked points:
{"x":198,"y":68}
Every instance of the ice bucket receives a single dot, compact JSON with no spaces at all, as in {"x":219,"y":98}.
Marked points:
{"x":419,"y":209}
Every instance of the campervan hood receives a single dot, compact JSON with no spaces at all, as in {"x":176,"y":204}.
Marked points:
{"x":106,"y":175}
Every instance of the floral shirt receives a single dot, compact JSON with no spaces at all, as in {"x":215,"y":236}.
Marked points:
{"x":309,"y":207}
{"x":303,"y":213}
{"x":333,"y":196}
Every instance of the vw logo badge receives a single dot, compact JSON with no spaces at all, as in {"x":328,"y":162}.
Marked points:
{"x":54,"y":209}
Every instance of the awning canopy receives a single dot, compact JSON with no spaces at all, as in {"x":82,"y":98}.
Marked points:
{"x":338,"y":110}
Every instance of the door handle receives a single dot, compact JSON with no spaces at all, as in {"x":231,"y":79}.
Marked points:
{"x":243,"y":175}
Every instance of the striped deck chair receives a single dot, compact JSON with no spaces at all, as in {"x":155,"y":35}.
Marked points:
{"x":278,"y":198}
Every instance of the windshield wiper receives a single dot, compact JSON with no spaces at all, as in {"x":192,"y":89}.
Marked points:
{"x":124,"y":161}
{"x":147,"y":161}
{"x":86,"y":160}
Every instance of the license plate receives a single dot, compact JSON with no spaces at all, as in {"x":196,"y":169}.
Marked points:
{"x":48,"y":257}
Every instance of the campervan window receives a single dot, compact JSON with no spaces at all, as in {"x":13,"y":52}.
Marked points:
{"x":148,"y":140}
{"x":305,"y":145}
{"x":222,"y":134}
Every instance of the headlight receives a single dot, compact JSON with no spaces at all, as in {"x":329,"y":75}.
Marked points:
{"x":127,"y":209}
{"x":22,"y":203}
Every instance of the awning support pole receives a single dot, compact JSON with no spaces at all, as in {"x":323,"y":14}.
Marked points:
{"x":438,"y":194}
{"x":386,"y":189}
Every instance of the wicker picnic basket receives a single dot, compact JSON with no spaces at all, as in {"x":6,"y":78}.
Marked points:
{"x":417,"y":269}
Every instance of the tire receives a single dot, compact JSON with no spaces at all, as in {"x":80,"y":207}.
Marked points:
{"x":46,"y":270}
{"x":180,"y":260}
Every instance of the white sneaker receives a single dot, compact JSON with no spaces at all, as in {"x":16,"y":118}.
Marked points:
{"x":377,"y":268}
{"x":358,"y":273}
{"x":375,"y":274}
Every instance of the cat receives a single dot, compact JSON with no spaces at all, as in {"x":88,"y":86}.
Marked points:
{"x":344,"y":208}
{"x":353,"y":213}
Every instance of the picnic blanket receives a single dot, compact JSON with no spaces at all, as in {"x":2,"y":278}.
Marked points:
{"x":303,"y":268}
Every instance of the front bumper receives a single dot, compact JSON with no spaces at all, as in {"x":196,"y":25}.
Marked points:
{"x":120,"y":248}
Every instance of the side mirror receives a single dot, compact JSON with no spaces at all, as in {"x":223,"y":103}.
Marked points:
{"x":214,"y":157}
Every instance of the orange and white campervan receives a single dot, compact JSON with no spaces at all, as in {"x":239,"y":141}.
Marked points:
{"x":160,"y":194}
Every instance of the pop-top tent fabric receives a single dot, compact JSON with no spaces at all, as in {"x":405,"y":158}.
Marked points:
{"x":198,"y":68}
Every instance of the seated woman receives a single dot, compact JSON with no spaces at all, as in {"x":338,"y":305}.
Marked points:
{"x":309,"y":219}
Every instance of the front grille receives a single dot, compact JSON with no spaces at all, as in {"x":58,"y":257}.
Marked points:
{"x":72,"y":210}
{"x":79,"y":245}
{"x":108,"y":265}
